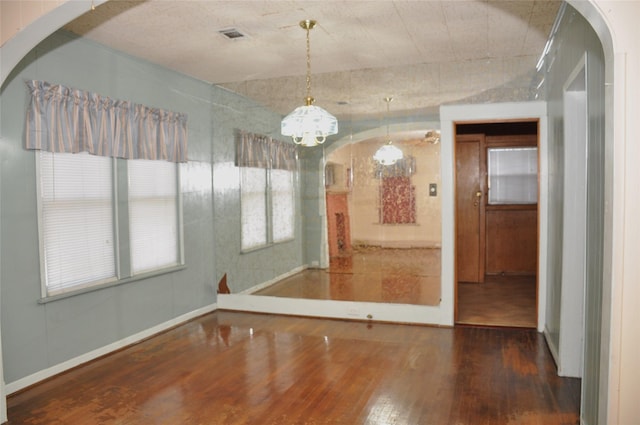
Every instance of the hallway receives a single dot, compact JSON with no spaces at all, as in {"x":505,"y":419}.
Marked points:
{"x":499,"y":301}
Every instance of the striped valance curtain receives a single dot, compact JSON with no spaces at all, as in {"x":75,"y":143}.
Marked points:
{"x":404,"y":167}
{"x":258,"y":151}
{"x":63,"y":119}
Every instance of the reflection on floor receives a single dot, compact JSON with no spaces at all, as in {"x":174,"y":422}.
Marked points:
{"x":228,"y":368}
{"x":370,"y":274}
{"x":500,"y":301}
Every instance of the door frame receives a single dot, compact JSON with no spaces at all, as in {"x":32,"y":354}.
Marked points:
{"x":570,"y":350}
{"x":452,"y":114}
{"x":484,"y":145}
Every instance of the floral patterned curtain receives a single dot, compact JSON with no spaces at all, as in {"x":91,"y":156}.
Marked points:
{"x":398,"y":201}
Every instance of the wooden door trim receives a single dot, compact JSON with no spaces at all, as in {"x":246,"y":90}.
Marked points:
{"x":481,"y":140}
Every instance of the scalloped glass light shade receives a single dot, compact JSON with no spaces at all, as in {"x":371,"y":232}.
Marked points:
{"x":309,"y":125}
{"x":388,"y":154}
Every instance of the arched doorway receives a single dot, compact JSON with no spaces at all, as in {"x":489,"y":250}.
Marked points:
{"x":30,"y":36}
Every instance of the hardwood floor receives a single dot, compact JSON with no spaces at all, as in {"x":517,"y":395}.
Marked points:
{"x":412,"y":276}
{"x":406,"y":276}
{"x":499,"y":301}
{"x":239,"y":368}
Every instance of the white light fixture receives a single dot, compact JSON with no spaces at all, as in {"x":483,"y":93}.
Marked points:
{"x":309,"y":125}
{"x":388,"y":154}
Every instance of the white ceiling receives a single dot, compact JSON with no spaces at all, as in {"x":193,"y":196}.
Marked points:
{"x":422,"y":53}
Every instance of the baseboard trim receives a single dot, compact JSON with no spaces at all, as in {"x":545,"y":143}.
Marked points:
{"x":41,"y":375}
{"x":552,"y":348}
{"x":274,"y":280}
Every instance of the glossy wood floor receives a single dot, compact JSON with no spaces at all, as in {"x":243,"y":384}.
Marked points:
{"x":412,"y":276}
{"x":373,"y":274}
{"x":499,"y":301}
{"x":239,"y":368}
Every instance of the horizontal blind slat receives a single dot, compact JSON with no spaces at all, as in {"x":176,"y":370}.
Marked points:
{"x":77,"y":220}
{"x":153,"y":215}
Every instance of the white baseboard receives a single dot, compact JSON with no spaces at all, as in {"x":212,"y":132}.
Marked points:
{"x":27,"y":381}
{"x":347,"y":310}
{"x":274,"y":280}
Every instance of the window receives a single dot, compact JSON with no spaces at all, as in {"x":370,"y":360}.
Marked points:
{"x":267,"y":207}
{"x":153,"y":215}
{"x":398,"y":201}
{"x":513,"y":175}
{"x":282,"y":205}
{"x":77,"y":226}
{"x":254,"y":207}
{"x":82,"y":242}
{"x":397,"y":198}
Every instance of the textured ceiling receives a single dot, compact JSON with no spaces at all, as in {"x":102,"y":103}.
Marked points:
{"x":422,"y":53}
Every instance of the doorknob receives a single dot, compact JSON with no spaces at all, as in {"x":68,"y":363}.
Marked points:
{"x":478,"y":194}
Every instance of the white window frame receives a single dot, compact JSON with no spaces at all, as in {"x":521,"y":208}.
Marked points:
{"x":122,"y":245}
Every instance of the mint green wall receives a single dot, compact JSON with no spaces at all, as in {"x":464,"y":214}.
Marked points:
{"x":575,"y":37}
{"x":39,"y":336}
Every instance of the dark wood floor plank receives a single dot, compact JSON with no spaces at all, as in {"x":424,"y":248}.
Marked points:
{"x":239,"y":368}
{"x":499,"y":301}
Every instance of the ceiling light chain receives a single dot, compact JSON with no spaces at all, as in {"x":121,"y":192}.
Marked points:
{"x":388,"y":100}
{"x":308,"y":25}
{"x":388,"y":154}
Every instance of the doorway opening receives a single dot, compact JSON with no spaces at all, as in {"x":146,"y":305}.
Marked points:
{"x":496,"y":219}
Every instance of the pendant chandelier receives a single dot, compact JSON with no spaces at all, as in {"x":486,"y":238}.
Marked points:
{"x":388,"y":154}
{"x":309,"y":125}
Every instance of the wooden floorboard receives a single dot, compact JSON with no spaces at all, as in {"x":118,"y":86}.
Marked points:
{"x":499,"y":301}
{"x":412,"y":276}
{"x":369,"y":274}
{"x":241,"y":368}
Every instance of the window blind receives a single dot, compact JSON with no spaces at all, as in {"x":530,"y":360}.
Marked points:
{"x":77,"y":231}
{"x":153,"y":215}
{"x":513,"y":175}
{"x":282,"y":205}
{"x":253,"y":207}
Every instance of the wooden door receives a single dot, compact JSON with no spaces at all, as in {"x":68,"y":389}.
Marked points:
{"x":470,"y":208}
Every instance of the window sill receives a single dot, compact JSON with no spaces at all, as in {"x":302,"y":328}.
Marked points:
{"x":269,"y":245}
{"x":110,"y":284}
